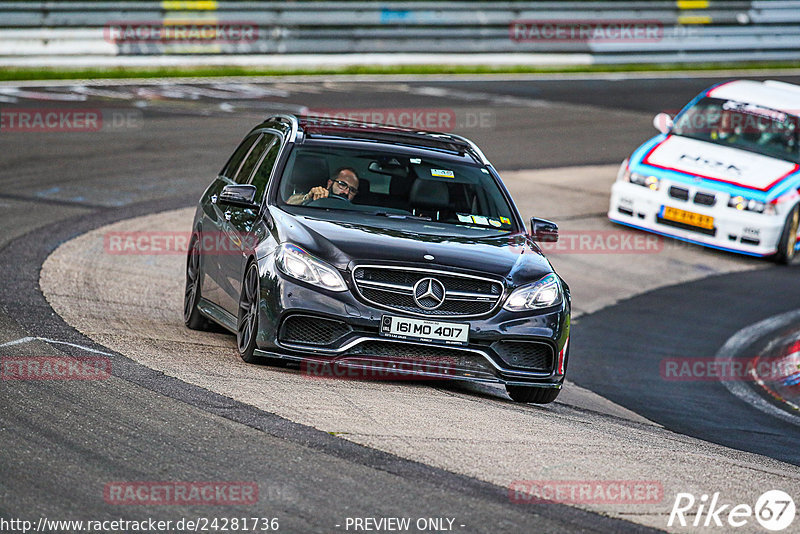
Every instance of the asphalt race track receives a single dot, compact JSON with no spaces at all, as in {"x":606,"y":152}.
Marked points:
{"x":154,"y":420}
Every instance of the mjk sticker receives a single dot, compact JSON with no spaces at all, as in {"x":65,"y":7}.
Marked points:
{"x":442,"y":173}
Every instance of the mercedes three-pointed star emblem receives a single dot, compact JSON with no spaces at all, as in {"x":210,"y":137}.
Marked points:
{"x":429,"y":293}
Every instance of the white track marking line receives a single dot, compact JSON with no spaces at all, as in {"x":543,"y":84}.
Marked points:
{"x":24,"y":340}
{"x":39,"y":95}
{"x":747,"y":336}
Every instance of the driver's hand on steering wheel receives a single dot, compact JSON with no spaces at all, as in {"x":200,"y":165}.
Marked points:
{"x":315,"y":194}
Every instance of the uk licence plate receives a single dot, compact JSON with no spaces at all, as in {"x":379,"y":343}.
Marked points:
{"x":424,"y":330}
{"x":688,"y":217}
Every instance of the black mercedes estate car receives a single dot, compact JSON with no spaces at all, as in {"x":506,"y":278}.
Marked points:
{"x":361,"y":247}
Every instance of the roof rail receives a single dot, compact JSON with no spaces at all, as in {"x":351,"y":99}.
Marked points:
{"x":445,"y":140}
{"x":478,"y":152}
{"x":291,"y":120}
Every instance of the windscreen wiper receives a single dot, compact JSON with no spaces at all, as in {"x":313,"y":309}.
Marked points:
{"x":401,"y":216}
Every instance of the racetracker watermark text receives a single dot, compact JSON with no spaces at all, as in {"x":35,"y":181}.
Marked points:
{"x":54,"y":368}
{"x":181,"y":493}
{"x":180,"y":31}
{"x":641,"y":31}
{"x":54,"y":119}
{"x":586,"y":491}
{"x":603,"y":242}
{"x":433,"y":119}
{"x":379,"y":370}
{"x":596,"y":242}
{"x":735,"y":369}
{"x":166,"y":242}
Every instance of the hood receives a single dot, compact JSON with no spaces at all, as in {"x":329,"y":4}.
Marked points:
{"x":513,"y":256}
{"x":720,"y":163}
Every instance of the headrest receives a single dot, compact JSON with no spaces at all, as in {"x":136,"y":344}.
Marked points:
{"x":399,"y":186}
{"x":430,"y":194}
{"x":309,"y":171}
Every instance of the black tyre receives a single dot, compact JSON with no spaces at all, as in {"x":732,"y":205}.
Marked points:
{"x":528,"y":394}
{"x":247,"y":323}
{"x":191,"y":315}
{"x":786,"y":252}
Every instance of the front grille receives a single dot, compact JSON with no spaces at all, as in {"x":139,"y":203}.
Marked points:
{"x":684,"y":226}
{"x":393,"y":288}
{"x":679,"y":193}
{"x":705,"y":199}
{"x":309,"y":330}
{"x":410,"y":352}
{"x":531,"y":356}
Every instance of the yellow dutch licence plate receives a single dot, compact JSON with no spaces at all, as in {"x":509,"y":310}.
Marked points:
{"x":688,"y":217}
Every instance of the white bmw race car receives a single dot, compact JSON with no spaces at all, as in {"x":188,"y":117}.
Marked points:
{"x":724,"y":174}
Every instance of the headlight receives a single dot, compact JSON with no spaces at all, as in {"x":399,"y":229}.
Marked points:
{"x":295,"y":262}
{"x":542,"y":294}
{"x":746,"y":204}
{"x":624,"y":173}
{"x":651,"y":182}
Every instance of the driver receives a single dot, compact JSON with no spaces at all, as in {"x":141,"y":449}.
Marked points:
{"x":344,"y":185}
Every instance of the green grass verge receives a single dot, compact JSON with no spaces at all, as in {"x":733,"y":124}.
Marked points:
{"x":19,"y":74}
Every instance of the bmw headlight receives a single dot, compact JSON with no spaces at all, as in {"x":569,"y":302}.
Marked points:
{"x":295,"y":262}
{"x":541,"y":294}
{"x":651,"y":182}
{"x":624,"y":174}
{"x":740,"y":203}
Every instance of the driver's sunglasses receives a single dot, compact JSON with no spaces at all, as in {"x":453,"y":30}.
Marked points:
{"x":345,"y":185}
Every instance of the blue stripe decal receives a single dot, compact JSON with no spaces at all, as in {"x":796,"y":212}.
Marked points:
{"x":641,"y":152}
{"x":692,"y":241}
{"x":789,"y":183}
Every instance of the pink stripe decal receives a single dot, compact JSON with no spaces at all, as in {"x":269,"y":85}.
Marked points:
{"x":646,"y":160}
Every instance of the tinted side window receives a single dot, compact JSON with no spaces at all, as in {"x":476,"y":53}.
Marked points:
{"x":243,"y":176}
{"x":261,"y":177}
{"x":229,"y":171}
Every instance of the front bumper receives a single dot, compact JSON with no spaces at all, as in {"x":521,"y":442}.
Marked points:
{"x":744,"y":232}
{"x":345,"y":331}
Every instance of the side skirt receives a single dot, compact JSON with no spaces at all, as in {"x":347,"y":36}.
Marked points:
{"x":217,"y":314}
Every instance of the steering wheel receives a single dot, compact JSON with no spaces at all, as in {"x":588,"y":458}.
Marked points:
{"x":331,"y":201}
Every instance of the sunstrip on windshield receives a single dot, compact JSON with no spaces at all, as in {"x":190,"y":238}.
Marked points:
{"x":483,"y":221}
{"x":753,"y":109}
{"x":646,"y":161}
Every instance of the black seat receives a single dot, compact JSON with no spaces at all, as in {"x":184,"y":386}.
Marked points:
{"x":364,"y":195}
{"x":399,"y":188}
{"x":430,"y":198}
{"x":309,"y":171}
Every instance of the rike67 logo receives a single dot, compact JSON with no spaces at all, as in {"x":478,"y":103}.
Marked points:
{"x":774,"y":510}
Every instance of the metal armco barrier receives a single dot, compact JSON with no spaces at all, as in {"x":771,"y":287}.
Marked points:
{"x":608,"y":32}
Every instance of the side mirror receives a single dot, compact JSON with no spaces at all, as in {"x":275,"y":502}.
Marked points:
{"x":662,"y":122}
{"x":239,"y":195}
{"x":544,"y":231}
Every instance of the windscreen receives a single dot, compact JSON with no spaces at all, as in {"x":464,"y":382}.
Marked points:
{"x":384,"y":184}
{"x":740,"y":125}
